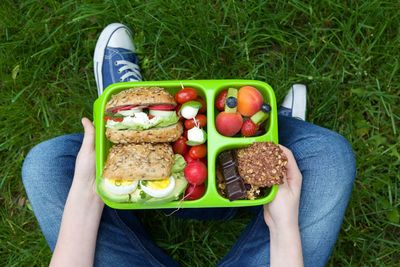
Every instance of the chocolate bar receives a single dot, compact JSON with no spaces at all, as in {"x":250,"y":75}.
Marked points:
{"x":235,"y":188}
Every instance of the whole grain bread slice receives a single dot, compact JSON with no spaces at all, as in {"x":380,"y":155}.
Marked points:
{"x":139,"y":161}
{"x":141,"y":96}
{"x":155,"y":135}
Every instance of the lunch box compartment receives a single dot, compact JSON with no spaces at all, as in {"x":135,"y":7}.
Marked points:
{"x":216,"y":143}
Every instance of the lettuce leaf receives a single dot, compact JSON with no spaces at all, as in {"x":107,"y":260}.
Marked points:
{"x":179,"y":164}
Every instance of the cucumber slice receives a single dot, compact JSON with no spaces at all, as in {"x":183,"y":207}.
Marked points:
{"x":161,"y":113}
{"x":232,"y":92}
{"x":259,"y":117}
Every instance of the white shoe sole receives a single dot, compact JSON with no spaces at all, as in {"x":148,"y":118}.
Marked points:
{"x":99,"y":53}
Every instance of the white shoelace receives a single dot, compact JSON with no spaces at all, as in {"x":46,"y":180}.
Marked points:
{"x":133,"y":73}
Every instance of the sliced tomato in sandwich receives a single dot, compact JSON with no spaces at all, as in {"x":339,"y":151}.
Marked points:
{"x":162,"y":107}
{"x":116,"y":119}
{"x":126,"y":107}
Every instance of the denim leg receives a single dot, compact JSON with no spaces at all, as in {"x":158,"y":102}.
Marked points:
{"x":47,"y":174}
{"x":327,"y":163}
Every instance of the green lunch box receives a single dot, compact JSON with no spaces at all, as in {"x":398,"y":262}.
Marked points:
{"x":216,"y":143}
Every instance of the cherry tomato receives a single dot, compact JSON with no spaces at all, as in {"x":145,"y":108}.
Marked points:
{"x":220,"y":101}
{"x":185,"y":133}
{"x":188,"y":159}
{"x":198,"y":152}
{"x":126,"y":107}
{"x":203,"y":105}
{"x":194,"y":192}
{"x":180,"y":146}
{"x":201,"y":120}
{"x":162,"y":107}
{"x":116,"y":119}
{"x":195,"y":172}
{"x":185,"y":95}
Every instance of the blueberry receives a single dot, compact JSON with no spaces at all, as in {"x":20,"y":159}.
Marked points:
{"x":266,"y":108}
{"x":231,"y":102}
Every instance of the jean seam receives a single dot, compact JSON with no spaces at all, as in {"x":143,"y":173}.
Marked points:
{"x":137,"y":239}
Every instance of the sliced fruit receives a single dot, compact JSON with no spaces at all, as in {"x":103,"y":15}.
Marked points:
{"x":249,"y":101}
{"x":259,"y":117}
{"x":249,"y":128}
{"x":231,"y":97}
{"x":220,"y":100}
{"x":228,"y":124}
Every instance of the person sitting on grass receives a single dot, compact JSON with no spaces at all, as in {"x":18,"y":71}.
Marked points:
{"x":300,"y":226}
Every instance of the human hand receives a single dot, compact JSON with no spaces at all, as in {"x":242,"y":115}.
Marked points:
{"x":283,"y":211}
{"x":85,"y":165}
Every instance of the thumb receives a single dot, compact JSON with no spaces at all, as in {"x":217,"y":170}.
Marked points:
{"x":88,"y":138}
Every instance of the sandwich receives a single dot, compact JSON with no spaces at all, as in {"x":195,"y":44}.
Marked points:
{"x":143,"y":173}
{"x":143,"y":114}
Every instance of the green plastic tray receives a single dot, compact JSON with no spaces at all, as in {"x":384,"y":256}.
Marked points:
{"x":216,"y":143}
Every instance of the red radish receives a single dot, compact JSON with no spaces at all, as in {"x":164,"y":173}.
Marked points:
{"x":195,"y":172}
{"x":162,"y":107}
{"x":194,"y":192}
{"x":180,"y":146}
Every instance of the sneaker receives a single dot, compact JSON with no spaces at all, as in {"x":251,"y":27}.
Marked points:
{"x":114,"y":57}
{"x":295,"y":102}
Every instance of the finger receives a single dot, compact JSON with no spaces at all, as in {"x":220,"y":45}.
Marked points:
{"x":293,"y":173}
{"x":88,"y":138}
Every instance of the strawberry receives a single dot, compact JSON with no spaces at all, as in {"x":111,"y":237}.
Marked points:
{"x":249,"y":128}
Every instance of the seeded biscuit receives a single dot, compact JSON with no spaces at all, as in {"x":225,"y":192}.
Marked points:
{"x":139,"y":161}
{"x":262,"y":164}
{"x":141,"y":96}
{"x":155,"y":135}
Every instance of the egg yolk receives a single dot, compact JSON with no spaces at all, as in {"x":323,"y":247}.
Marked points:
{"x":122,"y":182}
{"x":158,"y":184}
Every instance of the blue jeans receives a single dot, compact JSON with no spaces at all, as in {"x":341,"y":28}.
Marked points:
{"x":324,"y":157}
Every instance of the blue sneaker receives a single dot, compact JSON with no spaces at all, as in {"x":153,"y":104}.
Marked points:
{"x":295,"y":102}
{"x":114,"y":57}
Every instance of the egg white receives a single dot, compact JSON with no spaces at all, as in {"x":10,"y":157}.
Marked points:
{"x":158,"y":193}
{"x":120,"y":187}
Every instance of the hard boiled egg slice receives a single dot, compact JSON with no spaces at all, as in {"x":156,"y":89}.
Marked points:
{"x":158,"y":188}
{"x":120,"y":187}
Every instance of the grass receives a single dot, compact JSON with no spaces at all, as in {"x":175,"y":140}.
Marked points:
{"x":347,"y":52}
